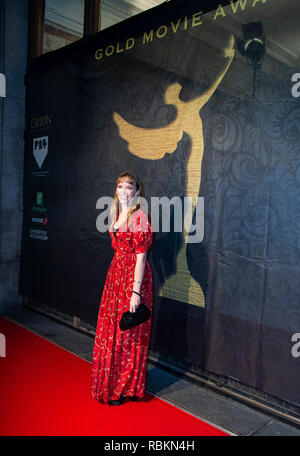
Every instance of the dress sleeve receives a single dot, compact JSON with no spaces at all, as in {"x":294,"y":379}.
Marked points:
{"x":142,"y":234}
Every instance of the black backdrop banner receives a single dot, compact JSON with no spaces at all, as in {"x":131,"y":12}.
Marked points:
{"x":167,"y":95}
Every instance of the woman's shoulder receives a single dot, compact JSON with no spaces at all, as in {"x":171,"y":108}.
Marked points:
{"x":139,"y":217}
{"x":142,"y":213}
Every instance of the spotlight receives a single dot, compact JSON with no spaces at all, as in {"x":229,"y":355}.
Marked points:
{"x":253,"y":45}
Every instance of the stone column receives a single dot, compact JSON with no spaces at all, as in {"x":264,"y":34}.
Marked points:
{"x":13,"y":60}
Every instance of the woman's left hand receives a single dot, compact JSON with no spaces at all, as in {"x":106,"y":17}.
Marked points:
{"x":134,"y":302}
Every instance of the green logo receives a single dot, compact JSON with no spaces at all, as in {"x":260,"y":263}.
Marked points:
{"x":39,"y":198}
{"x":39,"y":202}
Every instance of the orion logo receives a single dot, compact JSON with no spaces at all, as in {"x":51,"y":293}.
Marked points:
{"x":41,"y":121}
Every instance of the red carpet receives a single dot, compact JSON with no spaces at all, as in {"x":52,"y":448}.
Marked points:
{"x":45,"y":390}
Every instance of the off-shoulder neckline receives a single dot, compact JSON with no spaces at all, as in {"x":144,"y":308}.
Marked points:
{"x":134,"y":215}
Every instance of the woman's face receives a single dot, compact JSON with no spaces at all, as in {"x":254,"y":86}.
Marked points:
{"x":125,"y":192}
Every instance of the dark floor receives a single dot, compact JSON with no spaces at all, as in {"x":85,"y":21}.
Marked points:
{"x":219,"y":410}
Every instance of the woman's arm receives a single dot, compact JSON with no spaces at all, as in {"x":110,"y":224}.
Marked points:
{"x":139,"y":271}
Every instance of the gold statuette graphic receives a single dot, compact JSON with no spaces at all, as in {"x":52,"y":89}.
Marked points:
{"x":153,"y":144}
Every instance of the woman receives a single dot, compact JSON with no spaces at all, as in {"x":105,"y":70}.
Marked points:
{"x":119,"y":357}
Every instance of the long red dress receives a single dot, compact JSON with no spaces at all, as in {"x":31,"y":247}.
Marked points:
{"x":119,"y":357}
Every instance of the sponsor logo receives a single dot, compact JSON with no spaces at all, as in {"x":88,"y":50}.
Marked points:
{"x":35,"y":233}
{"x":41,"y":121}
{"x":42,"y":235}
{"x":40,"y":149}
{"x":43,"y":221}
{"x":38,"y":207}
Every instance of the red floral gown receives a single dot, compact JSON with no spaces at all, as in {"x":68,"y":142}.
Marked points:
{"x":119,"y":357}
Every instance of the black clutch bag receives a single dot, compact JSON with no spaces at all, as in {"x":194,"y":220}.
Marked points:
{"x":131,"y":319}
